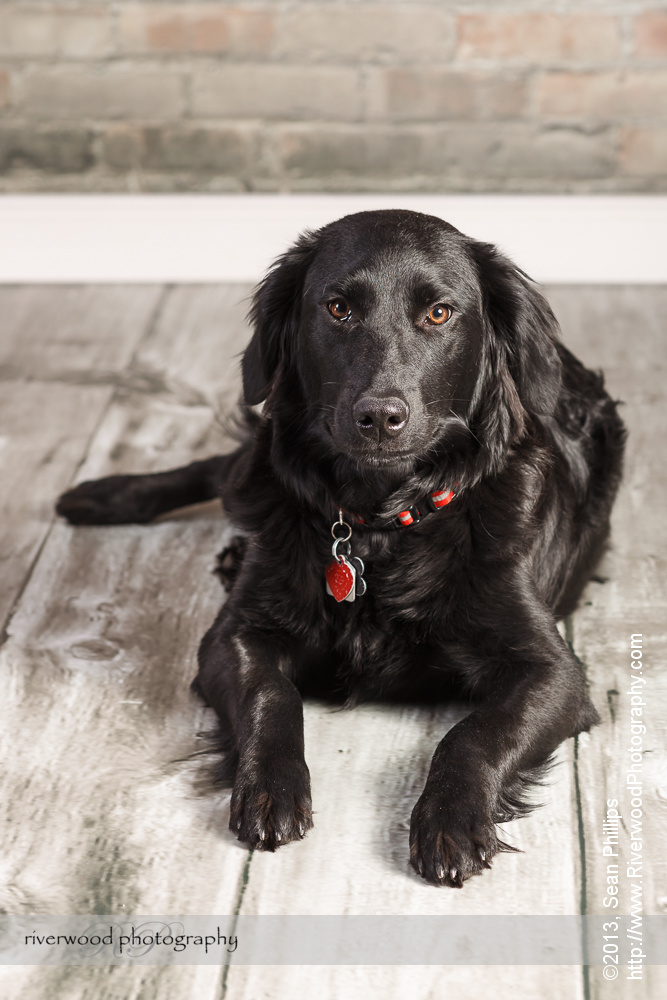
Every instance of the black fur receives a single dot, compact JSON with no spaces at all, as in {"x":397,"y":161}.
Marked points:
{"x":369,"y":411}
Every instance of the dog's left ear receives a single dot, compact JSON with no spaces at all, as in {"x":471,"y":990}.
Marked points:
{"x":522,"y":319}
{"x":275,"y":314}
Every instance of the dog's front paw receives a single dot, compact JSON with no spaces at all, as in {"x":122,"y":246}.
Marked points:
{"x":271,"y":803}
{"x":451,"y":838}
{"x":113,"y":500}
{"x":230,"y":560}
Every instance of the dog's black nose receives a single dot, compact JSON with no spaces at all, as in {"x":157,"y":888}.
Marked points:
{"x":377,"y":416}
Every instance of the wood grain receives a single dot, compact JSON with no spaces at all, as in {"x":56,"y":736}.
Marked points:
{"x":103,"y":811}
{"x":72,"y":333}
{"x":60,"y":351}
{"x":629,"y":597}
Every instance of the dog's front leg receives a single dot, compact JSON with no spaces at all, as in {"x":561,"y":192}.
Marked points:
{"x":241,"y":676}
{"x":535,"y":699}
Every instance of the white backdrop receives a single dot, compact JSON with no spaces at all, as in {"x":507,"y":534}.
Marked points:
{"x":212,"y":238}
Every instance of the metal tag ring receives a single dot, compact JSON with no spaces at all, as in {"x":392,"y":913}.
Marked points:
{"x":341,"y":538}
{"x":334,"y":549}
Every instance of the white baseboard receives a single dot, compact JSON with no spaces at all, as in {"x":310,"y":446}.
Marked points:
{"x":212,"y":238}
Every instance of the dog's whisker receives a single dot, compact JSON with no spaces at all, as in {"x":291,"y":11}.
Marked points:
{"x":467,"y":427}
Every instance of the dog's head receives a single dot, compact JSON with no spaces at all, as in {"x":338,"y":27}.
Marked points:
{"x":401,"y":336}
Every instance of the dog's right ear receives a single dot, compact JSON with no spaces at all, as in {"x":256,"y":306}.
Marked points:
{"x":275,"y":315}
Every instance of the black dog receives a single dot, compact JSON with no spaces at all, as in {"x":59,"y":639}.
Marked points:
{"x":419,"y":409}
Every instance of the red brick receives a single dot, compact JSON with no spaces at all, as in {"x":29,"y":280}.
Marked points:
{"x":417,"y":95}
{"x":643,"y":152}
{"x":651,"y":33}
{"x":604,"y":95}
{"x":187,"y":32}
{"x":537,"y":38}
{"x":396,"y":34}
{"x":195,"y":28}
{"x":438,"y":94}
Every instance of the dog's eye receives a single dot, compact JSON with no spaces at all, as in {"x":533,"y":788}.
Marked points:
{"x":439,"y":314}
{"x":339,"y":309}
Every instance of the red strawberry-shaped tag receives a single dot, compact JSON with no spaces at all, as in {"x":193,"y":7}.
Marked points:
{"x":340,"y":578}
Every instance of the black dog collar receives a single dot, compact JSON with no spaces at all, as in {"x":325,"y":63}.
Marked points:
{"x":344,"y":575}
{"x":411,"y":515}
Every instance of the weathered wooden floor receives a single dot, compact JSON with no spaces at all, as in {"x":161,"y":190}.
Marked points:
{"x":100,"y":814}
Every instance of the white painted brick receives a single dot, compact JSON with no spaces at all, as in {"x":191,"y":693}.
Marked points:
{"x":117,"y":92}
{"x":276,"y":91}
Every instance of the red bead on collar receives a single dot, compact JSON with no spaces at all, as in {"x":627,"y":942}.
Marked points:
{"x":411,"y":515}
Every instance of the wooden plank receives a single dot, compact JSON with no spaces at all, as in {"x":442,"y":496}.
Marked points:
{"x":137,"y":983}
{"x":44,"y":428}
{"x":625,"y":328}
{"x":96,"y":667}
{"x":113,"y":616}
{"x":470,"y":981}
{"x":195,"y":350}
{"x":72,"y":333}
{"x":608,"y":325}
{"x":44,"y":431}
{"x":346,"y":867}
{"x":368,"y":767}
{"x":101,"y":811}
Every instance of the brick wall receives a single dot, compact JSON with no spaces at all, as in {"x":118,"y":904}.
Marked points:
{"x":529,"y":95}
